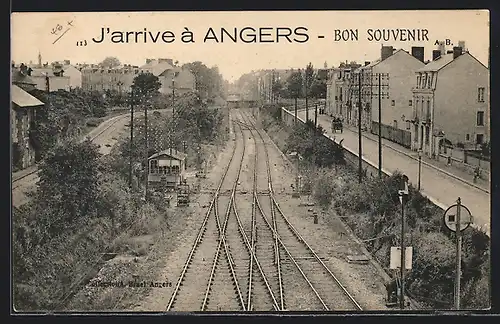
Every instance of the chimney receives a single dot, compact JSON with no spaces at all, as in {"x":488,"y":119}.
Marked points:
{"x":457,"y":51}
{"x":442,"y":48}
{"x":29,"y":71}
{"x":462,"y":45}
{"x":67,"y":62}
{"x":367,"y":63}
{"x":386,"y":52}
{"x":436,"y":54}
{"x":148,"y":61}
{"x":418,"y":53}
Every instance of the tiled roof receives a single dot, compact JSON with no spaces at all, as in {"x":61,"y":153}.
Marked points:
{"x":24,"y":99}
{"x":437,"y":64}
{"x":157,"y":68}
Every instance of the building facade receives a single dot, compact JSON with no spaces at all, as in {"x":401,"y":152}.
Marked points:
{"x":23,"y":112}
{"x":338,"y":90}
{"x":95,"y":77}
{"x":451,"y":103}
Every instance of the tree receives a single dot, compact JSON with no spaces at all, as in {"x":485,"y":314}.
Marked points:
{"x":68,"y":190}
{"x":277,"y":88}
{"x":110,"y":62}
{"x":146,"y":85}
{"x":309,"y":78}
{"x":208,"y":81}
{"x":294,"y":87}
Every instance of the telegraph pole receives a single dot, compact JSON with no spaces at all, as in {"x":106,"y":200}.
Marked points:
{"x":360,"y":153}
{"x":173,"y":97}
{"x":131,"y":136}
{"x":147,"y":148}
{"x":459,"y":256}
{"x":379,"y":126}
{"x":402,"y":197}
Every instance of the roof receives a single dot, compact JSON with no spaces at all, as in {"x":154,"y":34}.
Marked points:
{"x":18,"y":77}
{"x":24,"y":99}
{"x":171,"y":153}
{"x":42,"y":71}
{"x":157,"y":68}
{"x":437,"y":64}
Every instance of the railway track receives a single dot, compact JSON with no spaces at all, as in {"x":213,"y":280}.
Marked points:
{"x":327,"y":291}
{"x":17,"y":182}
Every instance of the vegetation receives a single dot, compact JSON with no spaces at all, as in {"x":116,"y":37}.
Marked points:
{"x":209,"y":81}
{"x":373,"y":210}
{"x":83,"y":206}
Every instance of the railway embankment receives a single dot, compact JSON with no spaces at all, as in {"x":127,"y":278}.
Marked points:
{"x":86,"y":234}
{"x":371,"y":211}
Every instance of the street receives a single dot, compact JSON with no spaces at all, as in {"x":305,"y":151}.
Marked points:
{"x":437,"y":186}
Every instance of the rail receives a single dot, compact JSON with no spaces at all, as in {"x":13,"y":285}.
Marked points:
{"x":200,"y":232}
{"x":297,"y":234}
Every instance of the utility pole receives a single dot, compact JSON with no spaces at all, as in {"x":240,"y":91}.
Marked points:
{"x":402,"y":197}
{"x":459,"y":256}
{"x":173,"y":97}
{"x":379,"y":126}
{"x":147,"y":148}
{"x":295,"y":120}
{"x":306,"y":94}
{"x":131,"y":136}
{"x":360,"y":153}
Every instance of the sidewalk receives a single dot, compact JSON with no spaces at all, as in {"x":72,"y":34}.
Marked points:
{"x":452,"y":171}
{"x":441,"y":185}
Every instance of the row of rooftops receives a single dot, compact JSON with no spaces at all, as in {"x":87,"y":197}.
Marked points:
{"x":440,"y":58}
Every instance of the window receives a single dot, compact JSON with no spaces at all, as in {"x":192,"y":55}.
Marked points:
{"x":408,"y":125}
{"x":479,"y":138}
{"x":480,"y":118}
{"x":395,"y":123}
{"x":153,"y":166}
{"x":467,"y":137}
{"x":424,"y":80}
{"x":418,"y":81}
{"x":393,"y":103}
{"x":428,"y":111}
{"x":409,"y":103}
{"x":480,"y":94}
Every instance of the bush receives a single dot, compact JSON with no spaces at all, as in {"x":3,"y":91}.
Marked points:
{"x":373,"y":210}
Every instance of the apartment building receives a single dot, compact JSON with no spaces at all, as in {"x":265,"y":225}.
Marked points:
{"x":451,"y":102}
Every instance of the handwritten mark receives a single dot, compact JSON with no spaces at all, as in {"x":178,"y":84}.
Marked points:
{"x":58,"y":28}
{"x":81,"y":43}
{"x":321,"y":36}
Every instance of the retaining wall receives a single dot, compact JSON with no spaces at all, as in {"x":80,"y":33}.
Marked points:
{"x":370,"y":168}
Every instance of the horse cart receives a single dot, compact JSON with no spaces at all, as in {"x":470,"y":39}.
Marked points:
{"x":336,"y":125}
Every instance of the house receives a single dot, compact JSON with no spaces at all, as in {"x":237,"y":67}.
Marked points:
{"x":338,"y":89}
{"x":23,"y":112}
{"x":166,"y":169}
{"x":74,"y":74}
{"x":97,"y":78}
{"x":450,"y":102}
{"x":397,"y":73}
{"x":174,"y":79}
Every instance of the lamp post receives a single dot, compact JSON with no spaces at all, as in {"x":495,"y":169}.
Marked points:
{"x":419,"y":167}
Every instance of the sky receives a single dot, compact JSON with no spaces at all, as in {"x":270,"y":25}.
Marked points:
{"x":31,"y":33}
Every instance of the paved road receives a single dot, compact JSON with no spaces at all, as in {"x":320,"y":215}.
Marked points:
{"x":105,"y":135}
{"x":437,"y":186}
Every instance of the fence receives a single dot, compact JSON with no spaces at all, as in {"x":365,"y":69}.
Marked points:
{"x":396,"y":135}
